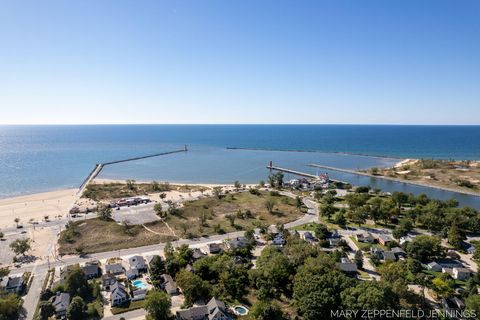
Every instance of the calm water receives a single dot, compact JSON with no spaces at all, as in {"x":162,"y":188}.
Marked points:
{"x":42,"y":158}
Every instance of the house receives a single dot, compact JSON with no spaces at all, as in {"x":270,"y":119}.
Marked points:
{"x":399,"y":253}
{"x":347,"y":266}
{"x":389,"y":256}
{"x":213,"y":310}
{"x":214,"y":248}
{"x":216,"y":310}
{"x":237,"y":243}
{"x":334,"y":242}
{"x":451,"y":304}
{"x":137,"y":262}
{"x":151,"y":258}
{"x":308,"y":236}
{"x":450,"y":263}
{"x":14,"y":284}
{"x":433,"y":266}
{"x":406,"y":239}
{"x":114,"y":268}
{"x":384,"y":239}
{"x":169,"y":285}
{"x":468,"y":247}
{"x":139,"y":294}
{"x":460,"y":273}
{"x":132,"y":273}
{"x":197,"y":254}
{"x":193,"y":313}
{"x":91,"y":271}
{"x":60,"y":302}
{"x":278,"y":240}
{"x":377,"y":253}
{"x":118,"y":294}
{"x":364,"y":237}
{"x":107,"y":280}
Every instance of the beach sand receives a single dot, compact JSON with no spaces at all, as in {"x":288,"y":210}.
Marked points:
{"x":36,"y":206}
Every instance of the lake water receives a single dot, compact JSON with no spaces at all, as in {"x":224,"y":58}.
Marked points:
{"x":43,"y":158}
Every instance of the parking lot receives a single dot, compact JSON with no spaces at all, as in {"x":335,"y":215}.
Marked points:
{"x":139,"y":214}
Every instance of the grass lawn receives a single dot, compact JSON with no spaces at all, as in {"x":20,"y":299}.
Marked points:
{"x":116,"y":190}
{"x":95,"y":235}
{"x":215,"y":213}
{"x":132,"y":305}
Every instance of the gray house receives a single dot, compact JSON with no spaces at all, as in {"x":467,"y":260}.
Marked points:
{"x":169,"y":285}
{"x":14,"y":285}
{"x":114,"y":268}
{"x":137,"y":262}
{"x":60,"y":302}
{"x":347,"y":266}
{"x":107,"y":280}
{"x":118,"y":294}
{"x":91,"y":271}
{"x":213,"y":310}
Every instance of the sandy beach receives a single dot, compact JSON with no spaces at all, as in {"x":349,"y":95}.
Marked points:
{"x":35,"y":206}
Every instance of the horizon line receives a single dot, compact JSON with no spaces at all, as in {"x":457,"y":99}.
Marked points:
{"x":237,"y":124}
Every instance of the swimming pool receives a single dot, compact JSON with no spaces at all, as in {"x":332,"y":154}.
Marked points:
{"x":240,"y":310}
{"x":140,"y":284}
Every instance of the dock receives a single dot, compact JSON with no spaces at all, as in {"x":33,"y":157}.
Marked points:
{"x":298,"y":173}
{"x":342,"y":170}
{"x":99,"y":166}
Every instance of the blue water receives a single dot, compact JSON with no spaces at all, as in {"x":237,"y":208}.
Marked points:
{"x":43,"y":158}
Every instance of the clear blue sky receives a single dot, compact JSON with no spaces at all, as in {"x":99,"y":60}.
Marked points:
{"x":404,"y":61}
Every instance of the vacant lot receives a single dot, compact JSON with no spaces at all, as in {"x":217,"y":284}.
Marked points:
{"x":117,"y":190}
{"x":95,"y":235}
{"x":458,"y":175}
{"x":236,"y":211}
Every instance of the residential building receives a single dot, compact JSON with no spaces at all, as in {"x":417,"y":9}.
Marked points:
{"x":384,"y":239}
{"x":137,"y":262}
{"x":364,"y":237}
{"x":433,"y":266}
{"x":347,"y":266}
{"x":308,"y":236}
{"x":213,"y":310}
{"x":91,"y":271}
{"x":114,"y":268}
{"x":107,"y":280}
{"x":460,"y":273}
{"x":14,"y":284}
{"x":169,"y":285}
{"x":118,"y":294}
{"x":139,"y":294}
{"x":60,"y":302}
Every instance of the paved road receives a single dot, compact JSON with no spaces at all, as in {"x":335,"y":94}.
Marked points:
{"x":131,"y":315}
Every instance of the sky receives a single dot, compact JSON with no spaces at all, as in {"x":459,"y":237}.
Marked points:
{"x":312,"y":62}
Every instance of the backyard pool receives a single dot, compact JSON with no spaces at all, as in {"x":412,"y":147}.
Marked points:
{"x":140,"y":284}
{"x":240,"y":310}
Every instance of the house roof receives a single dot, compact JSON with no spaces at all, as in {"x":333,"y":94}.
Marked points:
{"x":114,"y":268}
{"x":15,"y":282}
{"x":215,"y":303}
{"x":238,"y":242}
{"x":117,"y":290}
{"x":464,"y":270}
{"x":389,"y":255}
{"x":398,"y":250}
{"x":192,"y":313}
{"x":170,"y":285}
{"x":90,"y":270}
{"x":60,"y":301}
{"x":137,"y":262}
{"x":197,"y":254}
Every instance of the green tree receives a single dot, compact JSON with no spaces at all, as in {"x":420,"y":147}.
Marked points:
{"x":104,"y":212}
{"x":359,"y":259}
{"x":266,"y":310}
{"x":46,"y":310}
{"x":159,"y":210}
{"x":21,"y":246}
{"x":298,"y":202}
{"x":317,"y":287}
{"x":455,"y":236}
{"x":4,"y":271}
{"x":76,"y":284}
{"x":369,"y":295}
{"x":425,"y":248}
{"x":16,"y":220}
{"x":328,"y":210}
{"x":77,"y":309}
{"x":157,"y":305}
{"x":269,"y":205}
{"x":237,"y":184}
{"x":10,"y":305}
{"x":472,"y":303}
{"x":157,"y":268}
{"x":193,"y":287}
